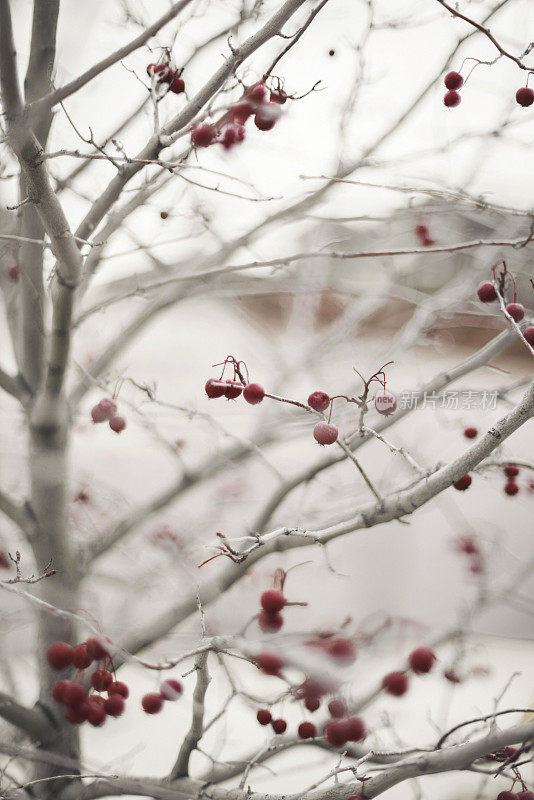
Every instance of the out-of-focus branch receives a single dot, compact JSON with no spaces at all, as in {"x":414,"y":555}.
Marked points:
{"x":13,"y":386}
{"x":196,"y":730}
{"x":30,"y":720}
{"x":15,"y":512}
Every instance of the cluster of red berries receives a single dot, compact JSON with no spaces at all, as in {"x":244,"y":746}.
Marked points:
{"x":257,"y":101}
{"x":511,"y":487}
{"x":420,"y":661}
{"x":526,"y":794}
{"x":270,"y":619}
{"x":166,"y":74}
{"x":487,"y":293}
{"x":106,"y":411}
{"x":422,"y":232}
{"x":469,"y":546}
{"x":324,"y":432}
{"x":171,"y":689}
{"x":253,"y":393}
{"x":453,"y":81}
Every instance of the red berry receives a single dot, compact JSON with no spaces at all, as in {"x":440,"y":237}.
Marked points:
{"x":272,"y":600}
{"x":96,"y":714}
{"x":74,"y":694}
{"x":341,"y":650}
{"x":507,"y":795}
{"x":171,"y":689}
{"x":98,"y":414}
{"x":325,"y":433}
{"x":453,"y":80}
{"x":307,"y":730}
{"x":164,"y":214}
{"x":355,"y":729}
{"x":528,"y":333}
{"x":214,"y":388}
{"x":270,"y":621}
{"x":516,"y":311}
{"x":4,"y":563}
{"x":336,"y":733}
{"x":117,"y":424}
{"x":331,"y":52}
{"x":118,"y":687}
{"x":527,"y":795}
{"x":279,"y":725}
{"x":253,"y":393}
{"x":263,"y":716}
{"x":525,"y":96}
{"x":114,"y":705}
{"x":82,"y":497}
{"x":58,"y":691}
{"x":312,"y":703}
{"x":463,"y":483}
{"x":279,"y":97}
{"x":269,"y":663}
{"x":395,"y":683}
{"x":337,"y":708}
{"x":59,"y":655}
{"x":232,"y":389}
{"x":96,"y":650}
{"x":177,"y":85}
{"x":233,"y":134}
{"x":241,"y":112}
{"x":487,"y":292}
{"x":511,"y":488}
{"x":421,"y":229}
{"x":155,"y":69}
{"x":203,"y":135}
{"x":267,"y":116}
{"x":152,"y":703}
{"x":101,"y":679}
{"x":257,"y":93}
{"x":81,"y":658}
{"x":452,"y":99}
{"x":466,"y":544}
{"x":76,"y":716}
{"x":471,"y":433}
{"x":13,"y":272}
{"x":108,"y":406}
{"x":511,"y":470}
{"x":422,"y":660}
{"x":319,"y":401}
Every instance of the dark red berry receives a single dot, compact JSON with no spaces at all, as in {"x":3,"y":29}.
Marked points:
{"x":253,"y":393}
{"x":511,"y":488}
{"x":214,"y":388}
{"x":471,"y":433}
{"x":507,"y":795}
{"x":279,"y":97}
{"x":77,"y":716}
{"x":98,"y":414}
{"x":528,"y":333}
{"x":511,"y":470}
{"x":233,"y":134}
{"x":270,"y":621}
{"x":526,"y":795}
{"x":516,"y":311}
{"x":452,"y":99}
{"x":466,"y":544}
{"x":331,"y":52}
{"x":96,"y":650}
{"x":486,"y":292}
{"x":152,"y":703}
{"x":256,"y":94}
{"x":59,"y":655}
{"x":325,"y":433}
{"x":177,"y":85}
{"x":453,"y":80}
{"x":155,"y":69}
{"x":114,"y":705}
{"x":58,"y":691}
{"x":108,"y":406}
{"x":395,"y":683}
{"x":101,"y":679}
{"x":272,"y":600}
{"x":355,"y":729}
{"x":336,"y":733}
{"x":269,"y":663}
{"x":463,"y":483}
{"x":96,"y":713}
{"x":307,"y":730}
{"x":241,"y":112}
{"x":263,"y":716}
{"x":319,"y":401}
{"x":422,"y":660}
{"x":203,"y":135}
{"x":341,"y":649}
{"x":117,"y":424}
{"x":81,"y":658}
{"x":525,"y":96}
{"x":312,"y":703}
{"x":337,"y":708}
{"x":279,"y":725}
{"x":118,"y":687}
{"x":171,"y":689}
{"x":267,"y":116}
{"x":164,"y":214}
{"x":74,"y":694}
{"x":232,"y":389}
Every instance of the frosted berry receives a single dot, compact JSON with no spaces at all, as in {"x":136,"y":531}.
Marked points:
{"x":101,"y":679}
{"x":81,"y":658}
{"x":241,"y":112}
{"x":97,"y":651}
{"x":152,"y":703}
{"x":114,"y":705}
{"x":257,"y":94}
{"x":452,"y":99}
{"x":270,"y":622}
{"x":337,"y":708}
{"x":312,"y":703}
{"x":253,"y":393}
{"x":74,"y":694}
{"x":214,"y":388}
{"x":171,"y":689}
{"x":525,"y":96}
{"x":269,"y":663}
{"x":516,"y":311}
{"x":471,"y":433}
{"x":232,"y":389}
{"x":203,"y":135}
{"x":511,"y":470}
{"x":263,"y":716}
{"x":319,"y":401}
{"x":422,"y":660}
{"x":336,"y":733}
{"x":58,"y":691}
{"x":117,"y":424}
{"x":307,"y":730}
{"x":108,"y":406}
{"x":463,"y":483}
{"x":59,"y":655}
{"x":453,"y":80}
{"x":511,"y":488}
{"x":528,"y":333}
{"x":233,"y":134}
{"x":355,"y":729}
{"x":272,"y":600}
{"x":325,"y":433}
{"x":118,"y":687}
{"x":267,"y":116}
{"x":487,"y":292}
{"x":395,"y":683}
{"x":279,"y":725}
{"x":98,"y":414}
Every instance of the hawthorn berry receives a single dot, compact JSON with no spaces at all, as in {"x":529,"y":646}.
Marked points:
{"x":96,"y":713}
{"x":263,"y":716}
{"x":463,"y":483}
{"x":307,"y":730}
{"x":120,"y":688}
{"x":74,"y":694}
{"x":58,"y":691}
{"x":232,"y":389}
{"x":203,"y":135}
{"x":269,"y":663}
{"x":312,"y":703}
{"x":526,"y":795}
{"x":157,"y":69}
{"x":214,"y":388}
{"x":256,"y":93}
{"x":337,"y":708}
{"x":325,"y":433}
{"x":81,"y":658}
{"x":528,"y":333}
{"x":511,"y":470}
{"x":516,"y":311}
{"x":117,"y":424}
{"x":270,"y":621}
{"x":525,"y":96}
{"x":164,"y":214}
{"x":395,"y":683}
{"x":233,"y":134}
{"x":114,"y":705}
{"x":279,"y":97}
{"x":272,"y":600}
{"x":177,"y":85}
{"x":507,"y":795}
{"x":486,"y":292}
{"x":241,"y":112}
{"x":341,"y":649}
{"x":319,"y":401}
{"x":13,"y":272}
{"x":452,"y":99}
{"x":171,"y":689}
{"x":96,"y":650}
{"x":59,"y":655}
{"x":422,"y":660}
{"x":355,"y":729}
{"x":466,"y":544}
{"x":267,"y":116}
{"x":98,"y":414}
{"x":253,"y":393}
{"x":77,"y":716}
{"x":471,"y":433}
{"x":331,"y":52}
{"x":101,"y":679}
{"x":453,"y":80}
{"x":108,"y":405}
{"x":152,"y":703}
{"x":336,"y":733}
{"x":511,"y":488}
{"x":279,"y":725}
